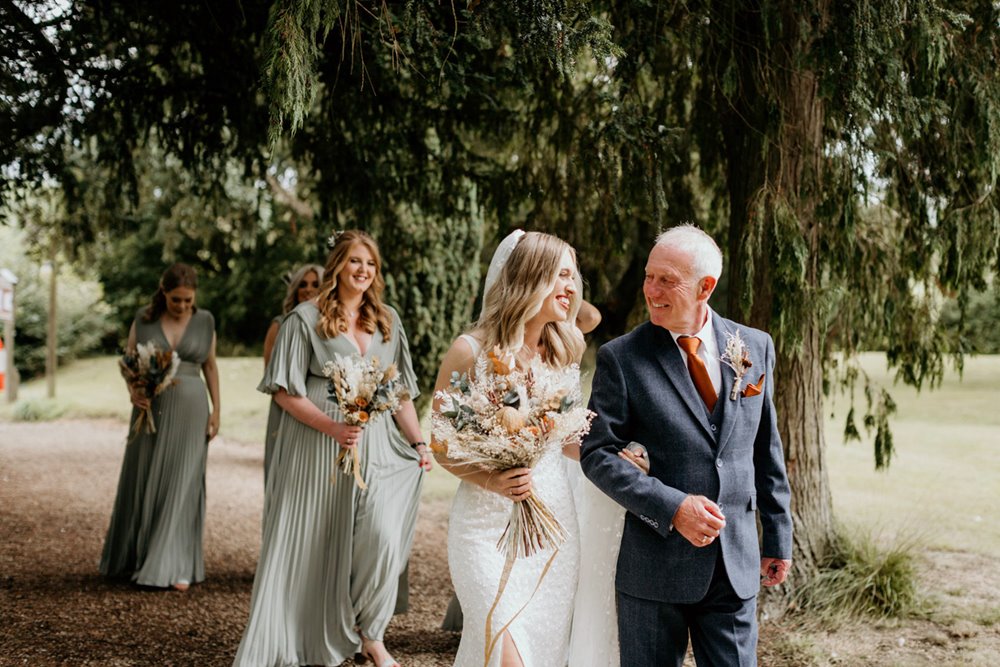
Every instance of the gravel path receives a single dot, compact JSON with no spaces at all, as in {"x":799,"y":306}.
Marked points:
{"x":57,"y":484}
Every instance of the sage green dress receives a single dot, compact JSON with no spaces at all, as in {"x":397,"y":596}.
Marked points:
{"x":331,"y":555}
{"x":157,"y":525}
{"x":273,"y":413}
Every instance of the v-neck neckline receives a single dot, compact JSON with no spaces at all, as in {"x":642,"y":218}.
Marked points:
{"x":180,"y":340}
{"x":357,"y":346}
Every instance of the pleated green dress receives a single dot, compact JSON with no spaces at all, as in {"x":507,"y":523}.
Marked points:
{"x":331,"y":554}
{"x":273,"y":414}
{"x":157,"y":525}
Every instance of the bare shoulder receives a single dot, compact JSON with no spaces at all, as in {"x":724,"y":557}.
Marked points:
{"x":459,"y":358}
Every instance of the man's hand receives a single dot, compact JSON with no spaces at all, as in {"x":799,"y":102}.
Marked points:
{"x":699,"y":520}
{"x":773,"y":571}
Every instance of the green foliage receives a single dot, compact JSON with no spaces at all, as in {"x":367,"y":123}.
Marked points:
{"x":239,"y":246}
{"x":973,"y":321}
{"x":860,"y":579}
{"x":38,"y":410}
{"x":82,"y":319}
{"x":846,"y":154}
{"x":430,"y":279}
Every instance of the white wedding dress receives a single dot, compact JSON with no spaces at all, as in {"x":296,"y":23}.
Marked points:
{"x":594,"y":638}
{"x":541,"y":631}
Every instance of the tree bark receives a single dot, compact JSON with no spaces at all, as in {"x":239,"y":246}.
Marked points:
{"x":778,"y":161}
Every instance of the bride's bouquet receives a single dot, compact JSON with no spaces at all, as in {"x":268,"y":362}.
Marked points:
{"x":363,"y":391}
{"x":149,"y":371}
{"x":504,"y":417}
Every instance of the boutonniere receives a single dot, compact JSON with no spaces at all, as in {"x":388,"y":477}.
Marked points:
{"x":737,"y":357}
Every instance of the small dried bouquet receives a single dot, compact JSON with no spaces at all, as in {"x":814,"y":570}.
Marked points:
{"x":503,"y":417}
{"x":737,"y":357}
{"x":149,"y":371}
{"x":363,"y":391}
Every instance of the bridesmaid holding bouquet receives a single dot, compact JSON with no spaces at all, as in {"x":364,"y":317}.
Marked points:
{"x":157,"y":524}
{"x":331,"y":553}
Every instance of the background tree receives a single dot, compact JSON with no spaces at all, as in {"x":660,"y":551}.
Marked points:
{"x":845,"y":153}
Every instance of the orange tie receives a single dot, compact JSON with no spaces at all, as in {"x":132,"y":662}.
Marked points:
{"x":698,"y":370}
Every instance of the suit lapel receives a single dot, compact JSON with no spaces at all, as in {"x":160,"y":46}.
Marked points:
{"x":669,"y":357}
{"x":728,"y":408}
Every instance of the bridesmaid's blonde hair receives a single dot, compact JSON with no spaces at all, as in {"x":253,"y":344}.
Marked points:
{"x":526,"y":279}
{"x":295,"y":281}
{"x":373,"y":312}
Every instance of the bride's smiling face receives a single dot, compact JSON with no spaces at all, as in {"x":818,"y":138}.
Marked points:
{"x":559,"y":301}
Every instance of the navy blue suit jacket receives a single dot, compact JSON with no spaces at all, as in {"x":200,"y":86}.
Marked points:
{"x":642,"y":392}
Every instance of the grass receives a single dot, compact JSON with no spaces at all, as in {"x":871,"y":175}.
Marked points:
{"x":942,"y":483}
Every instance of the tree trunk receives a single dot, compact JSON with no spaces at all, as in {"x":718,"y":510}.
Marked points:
{"x":773,"y":177}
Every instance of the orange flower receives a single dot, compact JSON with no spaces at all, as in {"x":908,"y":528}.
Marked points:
{"x":361,"y":402}
{"x":533,"y":430}
{"x":362,"y":417}
{"x":500,"y":367}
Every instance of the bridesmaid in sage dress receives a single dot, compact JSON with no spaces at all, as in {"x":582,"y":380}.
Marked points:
{"x":155,"y":536}
{"x":331,"y":554}
{"x":302,"y":286}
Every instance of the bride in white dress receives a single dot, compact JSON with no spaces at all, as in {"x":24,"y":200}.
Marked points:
{"x":529,"y":309}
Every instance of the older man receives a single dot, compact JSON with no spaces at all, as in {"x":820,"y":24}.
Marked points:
{"x":697,"y":390}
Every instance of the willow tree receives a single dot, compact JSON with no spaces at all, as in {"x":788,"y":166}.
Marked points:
{"x":846,"y":153}
{"x":397,"y":112}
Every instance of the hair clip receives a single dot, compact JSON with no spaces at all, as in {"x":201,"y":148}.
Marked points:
{"x":332,"y":240}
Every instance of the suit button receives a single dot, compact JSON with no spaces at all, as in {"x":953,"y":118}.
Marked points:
{"x":718,"y":464}
{"x":714,"y":428}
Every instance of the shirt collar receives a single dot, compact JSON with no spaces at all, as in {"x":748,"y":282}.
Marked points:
{"x":706,"y":334}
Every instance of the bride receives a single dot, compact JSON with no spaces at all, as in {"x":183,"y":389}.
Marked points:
{"x":528,"y":310}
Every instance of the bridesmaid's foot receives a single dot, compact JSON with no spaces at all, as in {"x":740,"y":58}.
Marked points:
{"x":181,"y":586}
{"x":375,"y":651}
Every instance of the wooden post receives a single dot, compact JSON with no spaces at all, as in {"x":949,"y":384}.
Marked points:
{"x":51,"y":339}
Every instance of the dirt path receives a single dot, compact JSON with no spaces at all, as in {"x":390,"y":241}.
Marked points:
{"x":57,"y":483}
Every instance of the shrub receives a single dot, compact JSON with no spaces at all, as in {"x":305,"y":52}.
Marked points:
{"x":861,"y":579}
{"x":82,"y":318}
{"x":37,"y":410}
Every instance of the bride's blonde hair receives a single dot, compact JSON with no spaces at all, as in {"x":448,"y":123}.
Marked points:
{"x":526,"y":280}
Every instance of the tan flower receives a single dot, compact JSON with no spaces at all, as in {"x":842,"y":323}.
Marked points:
{"x":510,"y":419}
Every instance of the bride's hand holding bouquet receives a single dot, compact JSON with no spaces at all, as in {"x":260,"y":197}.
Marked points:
{"x":504,"y":420}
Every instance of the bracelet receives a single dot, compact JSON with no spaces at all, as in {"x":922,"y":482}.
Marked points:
{"x":417,"y":444}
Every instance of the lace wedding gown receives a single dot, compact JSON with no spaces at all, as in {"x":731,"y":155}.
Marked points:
{"x":541,"y":631}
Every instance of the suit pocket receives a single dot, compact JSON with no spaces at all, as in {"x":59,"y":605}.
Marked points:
{"x":754,"y":389}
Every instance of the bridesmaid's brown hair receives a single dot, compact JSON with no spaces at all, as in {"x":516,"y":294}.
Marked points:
{"x":178,"y":275}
